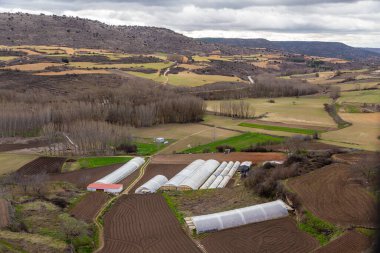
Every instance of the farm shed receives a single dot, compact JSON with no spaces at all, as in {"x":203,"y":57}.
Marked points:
{"x":111,"y":188}
{"x":152,"y":185}
{"x":199,"y":176}
{"x":239,"y":217}
{"x":122,"y":172}
{"x":175,"y":181}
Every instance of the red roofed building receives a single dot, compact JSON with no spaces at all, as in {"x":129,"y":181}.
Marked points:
{"x":111,"y":188}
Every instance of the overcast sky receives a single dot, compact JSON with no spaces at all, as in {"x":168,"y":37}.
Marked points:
{"x":354,"y":22}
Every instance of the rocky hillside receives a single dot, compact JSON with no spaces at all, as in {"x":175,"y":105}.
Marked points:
{"x":27,"y":29}
{"x":324,"y":49}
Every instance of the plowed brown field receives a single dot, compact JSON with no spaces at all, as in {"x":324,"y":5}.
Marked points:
{"x":4,"y":213}
{"x":167,"y":170}
{"x":89,"y":206}
{"x":144,"y":224}
{"x":81,"y":178}
{"x":332,"y":194}
{"x":234,"y":156}
{"x":42,"y":165}
{"x":281,"y":235}
{"x":350,"y":242}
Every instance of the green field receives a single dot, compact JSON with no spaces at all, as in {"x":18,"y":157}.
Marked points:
{"x":148,"y":148}
{"x":280,"y":128}
{"x":362,"y":96}
{"x":238,"y":142}
{"x":93,"y":162}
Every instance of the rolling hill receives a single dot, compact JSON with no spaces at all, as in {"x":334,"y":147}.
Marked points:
{"x":315,"y":48}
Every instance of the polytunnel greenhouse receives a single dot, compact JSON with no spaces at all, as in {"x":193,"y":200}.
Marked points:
{"x":152,"y":185}
{"x":123,"y":171}
{"x":238,"y":217}
{"x":212,"y":178}
{"x":175,"y":181}
{"x":199,"y":176}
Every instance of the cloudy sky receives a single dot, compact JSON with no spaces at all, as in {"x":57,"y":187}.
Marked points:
{"x":354,"y":22}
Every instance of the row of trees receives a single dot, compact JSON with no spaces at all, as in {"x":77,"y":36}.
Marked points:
{"x":236,"y":109}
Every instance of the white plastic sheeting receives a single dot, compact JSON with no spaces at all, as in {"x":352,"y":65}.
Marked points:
{"x":122,"y":172}
{"x":152,"y":185}
{"x":200,"y":175}
{"x":239,"y":217}
{"x":185,"y":173}
{"x":212,"y":178}
{"x":216,"y":182}
{"x":229,"y":175}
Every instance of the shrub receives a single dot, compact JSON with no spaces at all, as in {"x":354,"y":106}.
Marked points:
{"x":223,"y":148}
{"x":271,"y":101}
{"x":127,"y":148}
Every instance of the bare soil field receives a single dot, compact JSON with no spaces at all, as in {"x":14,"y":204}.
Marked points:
{"x":4,"y":213}
{"x":353,"y":158}
{"x":153,"y":169}
{"x":43,"y":165}
{"x":73,"y":72}
{"x":332,"y":193}
{"x":33,"y":66}
{"x":89,"y":206}
{"x":12,"y":162}
{"x":350,"y":242}
{"x":10,"y":146}
{"x":234,"y":156}
{"x":81,"y":178}
{"x":279,"y":235}
{"x":144,"y":224}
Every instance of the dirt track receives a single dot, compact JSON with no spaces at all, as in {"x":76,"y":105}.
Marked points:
{"x":4,"y":213}
{"x":89,"y":206}
{"x":280,"y":235}
{"x":167,"y":170}
{"x":144,"y":224}
{"x":350,"y":242}
{"x":332,"y":194}
{"x":43,"y":165}
{"x":235,"y":156}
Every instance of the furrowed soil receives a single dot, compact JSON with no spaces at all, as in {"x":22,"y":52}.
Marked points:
{"x":81,"y":178}
{"x":144,"y":224}
{"x":89,"y":206}
{"x":334,"y":194}
{"x":4,"y":213}
{"x":350,"y":242}
{"x":281,"y":235}
{"x":43,"y":165}
{"x":234,"y":156}
{"x":167,"y":170}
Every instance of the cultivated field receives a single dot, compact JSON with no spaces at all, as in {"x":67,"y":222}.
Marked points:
{"x":74,"y":72}
{"x":144,"y":224}
{"x":42,"y":165}
{"x":191,"y":79}
{"x":350,"y":242}
{"x":302,"y":110}
{"x":12,"y":162}
{"x":363,"y":96}
{"x":4,"y":213}
{"x":332,"y":194}
{"x":363,"y":133}
{"x":33,"y":66}
{"x":89,"y":206}
{"x":234,"y":156}
{"x":279,"y":235}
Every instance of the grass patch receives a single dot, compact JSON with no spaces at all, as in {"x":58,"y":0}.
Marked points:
{"x":146,"y":148}
{"x":319,"y":229}
{"x":367,"y":232}
{"x":174,"y":207}
{"x":238,"y":142}
{"x":93,"y":162}
{"x":281,"y":128}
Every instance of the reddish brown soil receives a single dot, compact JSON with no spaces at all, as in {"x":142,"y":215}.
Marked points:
{"x":333,"y":194}
{"x":280,"y":235}
{"x":15,"y":146}
{"x":81,"y":178}
{"x":167,"y":170}
{"x":42,"y":165}
{"x":144,"y":224}
{"x":355,"y":157}
{"x":89,"y":206}
{"x":307,"y":145}
{"x":4,"y":213}
{"x":272,"y":123}
{"x":350,"y":242}
{"x":235,"y":156}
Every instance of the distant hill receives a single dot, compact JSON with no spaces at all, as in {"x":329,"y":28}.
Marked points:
{"x":376,"y":50}
{"x":314,"y":48}
{"x":27,"y":29}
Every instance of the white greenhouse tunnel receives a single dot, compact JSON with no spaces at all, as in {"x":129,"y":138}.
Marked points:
{"x":184,"y":174}
{"x":239,"y":217}
{"x":200,"y":175}
{"x":152,"y":185}
{"x":122,"y":172}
